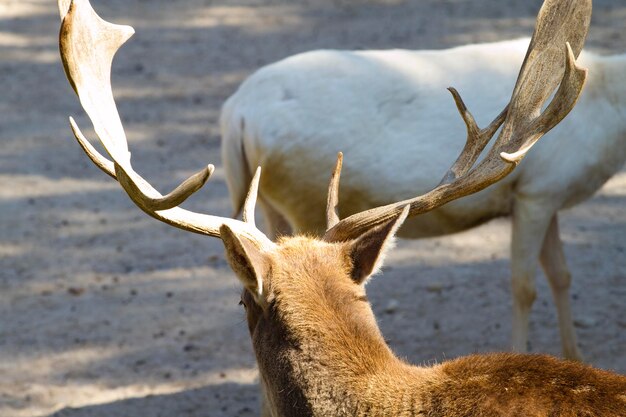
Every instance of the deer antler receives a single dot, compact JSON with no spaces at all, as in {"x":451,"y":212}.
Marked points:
{"x":550,"y":62}
{"x":332,"y":210}
{"x":88,"y":45}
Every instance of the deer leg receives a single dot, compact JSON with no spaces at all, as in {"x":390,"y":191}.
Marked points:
{"x":529,"y":228}
{"x":553,"y":263}
{"x":275,"y":223}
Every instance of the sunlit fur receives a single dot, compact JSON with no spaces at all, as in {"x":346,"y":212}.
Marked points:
{"x":390,"y":113}
{"x":320,"y":353}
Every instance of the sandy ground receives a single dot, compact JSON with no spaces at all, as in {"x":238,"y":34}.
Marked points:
{"x":105,"y":312}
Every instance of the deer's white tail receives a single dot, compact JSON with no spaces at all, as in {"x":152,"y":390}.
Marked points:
{"x":237,"y":172}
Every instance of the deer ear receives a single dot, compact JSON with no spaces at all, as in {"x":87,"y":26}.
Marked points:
{"x":367,"y":252}
{"x":248,"y":261}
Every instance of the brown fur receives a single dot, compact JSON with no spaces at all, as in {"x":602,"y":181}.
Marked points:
{"x":320,"y":353}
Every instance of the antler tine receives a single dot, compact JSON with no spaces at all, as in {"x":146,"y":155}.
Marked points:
{"x":96,"y":157}
{"x":332,"y":203}
{"x":89,"y":72}
{"x":64,"y":6}
{"x":476,"y":141}
{"x":178,"y":195}
{"x":559,"y":36}
{"x":250,"y":203}
{"x":564,"y":100}
{"x":87,"y":45}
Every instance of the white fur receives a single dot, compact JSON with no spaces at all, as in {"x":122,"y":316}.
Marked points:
{"x":390,"y":113}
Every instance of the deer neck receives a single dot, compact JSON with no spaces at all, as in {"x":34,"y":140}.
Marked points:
{"x":338,"y":367}
{"x":613,"y":69}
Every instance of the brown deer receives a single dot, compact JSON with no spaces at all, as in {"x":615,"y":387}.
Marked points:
{"x":319,"y":350}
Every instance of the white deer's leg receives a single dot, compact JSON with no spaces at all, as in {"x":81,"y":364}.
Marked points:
{"x":555,"y":268}
{"x":529,"y":227}
{"x":275,"y":223}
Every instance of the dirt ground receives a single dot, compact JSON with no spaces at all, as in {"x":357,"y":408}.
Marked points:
{"x":106,"y":312}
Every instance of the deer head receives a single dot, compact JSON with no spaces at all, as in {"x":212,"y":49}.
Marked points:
{"x":305,"y":294}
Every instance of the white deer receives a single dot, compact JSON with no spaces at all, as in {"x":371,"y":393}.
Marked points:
{"x":319,"y":350}
{"x":390,"y":114}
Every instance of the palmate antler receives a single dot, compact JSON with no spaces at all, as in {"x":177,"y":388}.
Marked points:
{"x":550,"y":62}
{"x":88,"y":45}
